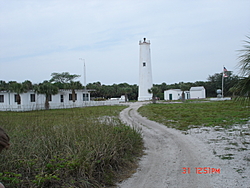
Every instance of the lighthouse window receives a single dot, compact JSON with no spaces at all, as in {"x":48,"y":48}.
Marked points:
{"x":144,"y":64}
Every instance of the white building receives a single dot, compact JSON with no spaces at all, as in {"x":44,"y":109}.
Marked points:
{"x":145,"y":72}
{"x":175,"y":94}
{"x":194,"y":93}
{"x":197,"y":92}
{"x":33,"y":101}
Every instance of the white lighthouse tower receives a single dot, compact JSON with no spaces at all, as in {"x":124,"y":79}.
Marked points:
{"x":145,"y":71}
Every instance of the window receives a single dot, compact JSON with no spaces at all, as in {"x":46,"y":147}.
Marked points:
{"x":144,"y":64}
{"x":16,"y":97}
{"x":1,"y":98}
{"x":61,"y":98}
{"x":71,"y":97}
{"x":85,"y":96}
{"x":32,"y":98}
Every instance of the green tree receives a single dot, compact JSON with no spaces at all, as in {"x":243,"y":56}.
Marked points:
{"x":154,"y":90}
{"x":18,"y":89}
{"x":73,"y":86}
{"x":126,"y":91}
{"x":96,"y":89}
{"x":184,"y":87}
{"x":27,"y":85}
{"x":3,"y":85}
{"x":63,"y":77}
{"x":65,"y":81}
{"x":134,"y":94}
{"x":242,"y":88}
{"x":48,"y":89}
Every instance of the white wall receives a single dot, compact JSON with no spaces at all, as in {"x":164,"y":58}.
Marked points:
{"x":9,"y":103}
{"x":176,"y":94}
{"x":197,"y":92}
{"x":145,"y":72}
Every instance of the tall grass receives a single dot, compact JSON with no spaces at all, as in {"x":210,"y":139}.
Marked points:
{"x":183,"y":116}
{"x":81,"y":147}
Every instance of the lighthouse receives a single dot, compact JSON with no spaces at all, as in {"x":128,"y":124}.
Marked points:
{"x":145,"y":71}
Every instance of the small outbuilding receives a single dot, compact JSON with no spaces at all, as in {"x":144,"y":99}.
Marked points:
{"x":194,"y":93}
{"x":198,"y":92}
{"x":175,"y":94}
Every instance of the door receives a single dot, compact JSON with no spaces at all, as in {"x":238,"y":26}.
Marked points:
{"x":170,"y":96}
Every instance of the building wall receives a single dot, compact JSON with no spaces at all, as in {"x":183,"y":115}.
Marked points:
{"x":9,"y":103}
{"x":176,"y":94}
{"x":197,"y":92}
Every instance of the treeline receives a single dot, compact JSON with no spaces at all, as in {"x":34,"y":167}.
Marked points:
{"x":98,"y":90}
{"x":213,"y":83}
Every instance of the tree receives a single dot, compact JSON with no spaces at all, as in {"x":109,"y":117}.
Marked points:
{"x":3,"y":85}
{"x":154,"y":90}
{"x":242,"y":88}
{"x":65,"y":81}
{"x":134,"y":94}
{"x":73,"y":86}
{"x":126,"y":91}
{"x":184,"y":87}
{"x":48,"y":89}
{"x":16,"y":88}
{"x":63,"y":77}
{"x":27,"y":85}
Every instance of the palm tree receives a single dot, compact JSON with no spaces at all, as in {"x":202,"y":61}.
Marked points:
{"x":73,"y":86}
{"x":154,"y":90}
{"x":16,"y":88}
{"x":126,"y":91}
{"x":184,"y":87}
{"x":65,"y":79}
{"x":242,"y":88}
{"x":27,"y":85}
{"x":48,"y":89}
{"x":3,"y":85}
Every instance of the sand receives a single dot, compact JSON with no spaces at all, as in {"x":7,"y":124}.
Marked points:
{"x":199,"y":157}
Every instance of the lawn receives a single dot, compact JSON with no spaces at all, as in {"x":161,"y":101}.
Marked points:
{"x":80,"y":147}
{"x":184,"y":116}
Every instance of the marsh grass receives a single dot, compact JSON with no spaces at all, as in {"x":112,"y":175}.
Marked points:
{"x":184,"y":116}
{"x":67,"y":147}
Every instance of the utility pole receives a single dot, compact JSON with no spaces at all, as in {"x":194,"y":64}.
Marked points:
{"x":84,"y":72}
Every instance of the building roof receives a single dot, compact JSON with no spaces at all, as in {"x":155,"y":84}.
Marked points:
{"x":198,"y":88}
{"x":177,"y":90}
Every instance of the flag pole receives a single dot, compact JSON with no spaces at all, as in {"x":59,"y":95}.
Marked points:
{"x":222,"y":87}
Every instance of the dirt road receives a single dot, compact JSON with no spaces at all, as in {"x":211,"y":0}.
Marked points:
{"x":168,"y":152}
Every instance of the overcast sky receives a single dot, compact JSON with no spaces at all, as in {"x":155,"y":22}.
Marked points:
{"x":190,"y":39}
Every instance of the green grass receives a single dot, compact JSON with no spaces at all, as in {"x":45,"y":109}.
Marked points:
{"x":81,"y":147}
{"x":183,"y":116}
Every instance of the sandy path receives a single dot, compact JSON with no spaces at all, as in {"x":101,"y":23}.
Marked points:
{"x":168,"y":151}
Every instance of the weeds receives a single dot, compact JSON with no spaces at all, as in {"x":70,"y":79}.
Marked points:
{"x":67,"y":147}
{"x":226,"y":156}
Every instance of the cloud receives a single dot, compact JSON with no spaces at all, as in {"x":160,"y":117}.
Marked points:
{"x":189,"y":39}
